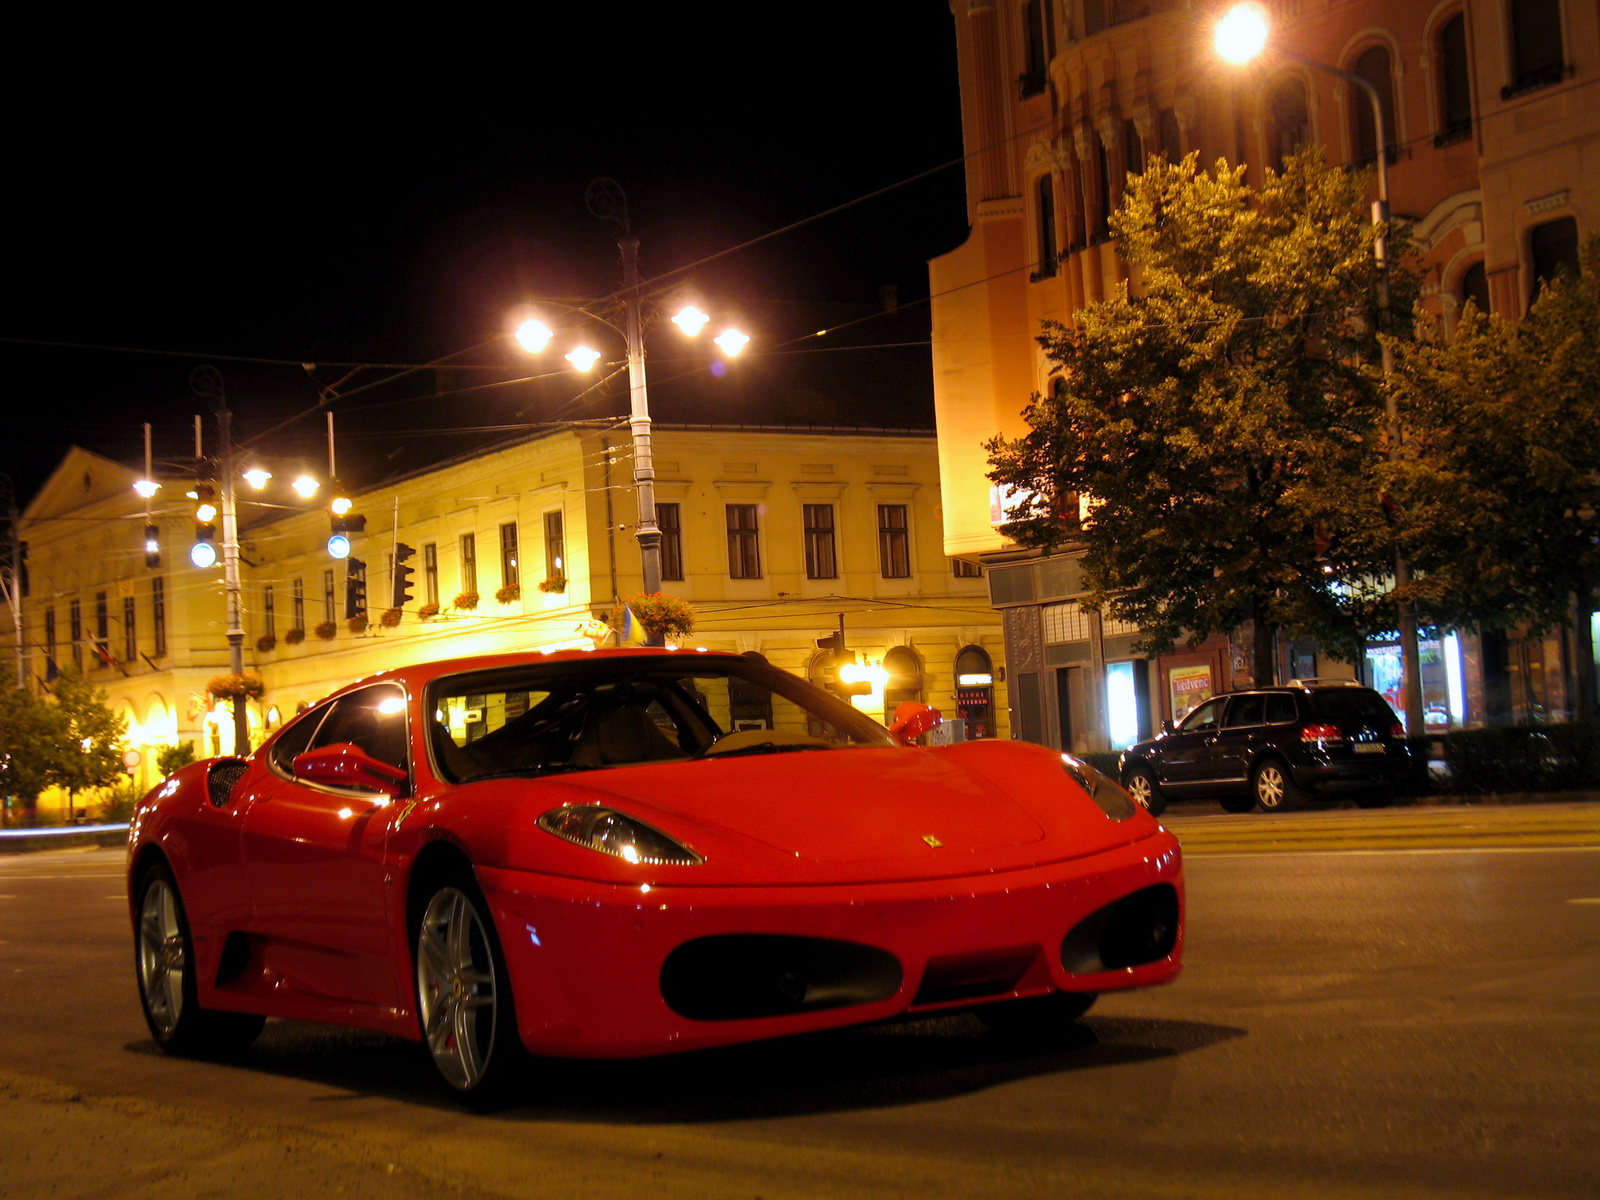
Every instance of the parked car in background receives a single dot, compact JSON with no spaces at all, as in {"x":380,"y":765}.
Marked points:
{"x":1276,"y":748}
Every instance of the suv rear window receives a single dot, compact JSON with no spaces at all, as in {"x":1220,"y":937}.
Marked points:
{"x":1281,"y":709}
{"x":1353,"y":704}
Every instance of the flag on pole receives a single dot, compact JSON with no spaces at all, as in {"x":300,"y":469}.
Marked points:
{"x":596,"y":630}
{"x":632,"y":633}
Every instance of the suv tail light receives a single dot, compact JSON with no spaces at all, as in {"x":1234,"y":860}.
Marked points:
{"x":1397,"y":730}
{"x":1321,"y":733}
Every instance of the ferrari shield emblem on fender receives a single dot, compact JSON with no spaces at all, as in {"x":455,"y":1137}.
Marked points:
{"x":932,"y":841}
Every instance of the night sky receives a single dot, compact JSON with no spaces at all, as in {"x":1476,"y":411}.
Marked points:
{"x":345,"y":194}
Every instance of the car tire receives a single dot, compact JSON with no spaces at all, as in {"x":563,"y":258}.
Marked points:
{"x":1238,"y":804}
{"x":1141,"y":785}
{"x":465,"y":1012}
{"x":163,"y":952}
{"x":1036,"y":1015}
{"x":1273,"y":787}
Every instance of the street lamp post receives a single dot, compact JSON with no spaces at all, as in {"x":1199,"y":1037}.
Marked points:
{"x":1240,"y":36}
{"x":207,"y":381}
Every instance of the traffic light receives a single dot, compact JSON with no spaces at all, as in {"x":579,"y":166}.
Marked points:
{"x":152,"y":546}
{"x":402,"y":575}
{"x":342,"y":521}
{"x":355,"y":588}
{"x":204,"y":551}
{"x":834,"y":679}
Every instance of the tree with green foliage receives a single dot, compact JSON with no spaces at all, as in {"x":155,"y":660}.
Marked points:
{"x":89,"y":750}
{"x":174,"y":758}
{"x":1219,"y":412}
{"x":30,"y":733}
{"x":1497,"y":493}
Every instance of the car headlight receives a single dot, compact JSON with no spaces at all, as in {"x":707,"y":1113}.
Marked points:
{"x":617,"y":834}
{"x":1108,"y":797}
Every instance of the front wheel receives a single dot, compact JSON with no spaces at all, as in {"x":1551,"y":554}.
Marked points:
{"x":464,"y":995}
{"x":1142,"y":787}
{"x":1274,"y":790}
{"x":164,"y":960}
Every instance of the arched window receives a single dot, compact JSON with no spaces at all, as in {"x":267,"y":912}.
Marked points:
{"x":1048,"y":247}
{"x":1536,"y":55}
{"x":1474,"y":286}
{"x":1373,"y":66}
{"x":1171,"y":135}
{"x":905,"y":678}
{"x":1133,"y":147}
{"x":1455,"y":86}
{"x":1290,"y":116}
{"x":975,"y":692}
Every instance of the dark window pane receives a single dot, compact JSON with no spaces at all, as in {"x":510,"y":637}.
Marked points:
{"x":894,"y":558}
{"x":1475,"y":287}
{"x":668,"y":520}
{"x":1291,"y":120}
{"x":1554,"y":246}
{"x":1536,"y":44}
{"x":1373,"y":66}
{"x":821,"y":562}
{"x":744,"y":547}
{"x":1455,"y":89}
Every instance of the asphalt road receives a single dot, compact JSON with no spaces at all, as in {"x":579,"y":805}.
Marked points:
{"x":1369,"y":1009}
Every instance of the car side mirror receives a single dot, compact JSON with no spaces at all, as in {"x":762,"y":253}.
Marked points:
{"x":912,"y":720}
{"x":1166,"y":727}
{"x":344,"y":764}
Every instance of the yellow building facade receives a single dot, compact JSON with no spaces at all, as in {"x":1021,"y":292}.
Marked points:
{"x":1495,"y":164}
{"x":773,"y":536}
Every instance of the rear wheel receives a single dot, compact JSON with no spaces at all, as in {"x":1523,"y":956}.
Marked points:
{"x":464,"y":1006}
{"x":164,"y":961}
{"x":1238,"y":804}
{"x":1274,"y":790}
{"x":1037,"y":1014}
{"x":1142,"y":787}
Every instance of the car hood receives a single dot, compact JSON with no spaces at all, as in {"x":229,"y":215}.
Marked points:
{"x":848,"y":814}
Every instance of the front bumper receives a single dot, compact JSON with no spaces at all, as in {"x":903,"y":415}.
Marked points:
{"x":586,"y":959}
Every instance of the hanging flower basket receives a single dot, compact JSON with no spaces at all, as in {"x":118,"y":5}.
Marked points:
{"x":556,"y":583}
{"x":511,"y":591}
{"x":465,"y":601}
{"x":295,"y":636}
{"x":327,"y":631}
{"x":231,"y":687}
{"x":357,"y":623}
{"x":428,"y":611}
{"x":391,"y":617}
{"x":668,"y":618}
{"x":266,"y":642}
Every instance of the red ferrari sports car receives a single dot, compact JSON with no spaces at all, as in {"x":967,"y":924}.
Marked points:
{"x":629,"y":852}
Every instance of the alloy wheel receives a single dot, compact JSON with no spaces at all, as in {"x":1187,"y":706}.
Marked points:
{"x":456,"y":988}
{"x":163,"y":959}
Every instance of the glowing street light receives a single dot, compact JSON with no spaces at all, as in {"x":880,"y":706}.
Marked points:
{"x":533,"y":335}
{"x":1242,"y":33}
{"x":691,"y":320}
{"x":305,"y":487}
{"x":146,"y":487}
{"x":257,"y":477}
{"x":732,"y":342}
{"x":584,"y":358}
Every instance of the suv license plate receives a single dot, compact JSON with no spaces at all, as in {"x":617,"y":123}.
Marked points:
{"x":1370,"y":747}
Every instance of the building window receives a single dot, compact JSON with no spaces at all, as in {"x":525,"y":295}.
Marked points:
{"x":975,"y":692}
{"x":905,"y":679}
{"x":1133,"y":147}
{"x":1290,"y":115}
{"x":299,"y":602}
{"x":269,"y":611}
{"x":1554,"y":248}
{"x":1536,"y":56}
{"x":130,"y":631}
{"x":102,"y":628}
{"x":469,"y":562}
{"x":158,"y":614}
{"x":962,"y":569}
{"x":1045,"y":195}
{"x":821,"y":562}
{"x":894,"y":546}
{"x":668,"y":520}
{"x":330,"y":611}
{"x":1102,"y":166}
{"x":1373,"y":66}
{"x":75,"y":614}
{"x":555,"y":547}
{"x":430,"y":572}
{"x":508,"y":555}
{"x":1475,"y":287}
{"x":1094,"y":17}
{"x":1171,"y":135}
{"x":1455,"y":86}
{"x":744,"y":544}
{"x":1037,"y":37}
{"x":50,"y":667}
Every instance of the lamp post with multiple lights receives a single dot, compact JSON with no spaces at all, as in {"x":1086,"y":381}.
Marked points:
{"x":606,"y":200}
{"x":1241,"y":36}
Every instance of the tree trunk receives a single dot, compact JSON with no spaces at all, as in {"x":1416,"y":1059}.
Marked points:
{"x":1583,"y":708}
{"x":1265,"y":669}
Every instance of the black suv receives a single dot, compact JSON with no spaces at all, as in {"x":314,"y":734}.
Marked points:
{"x":1276,"y":747}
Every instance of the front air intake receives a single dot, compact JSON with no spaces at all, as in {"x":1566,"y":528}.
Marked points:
{"x":734,"y":976}
{"x":1140,"y":928}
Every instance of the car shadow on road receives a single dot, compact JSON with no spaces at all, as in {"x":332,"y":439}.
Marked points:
{"x":873,"y":1066}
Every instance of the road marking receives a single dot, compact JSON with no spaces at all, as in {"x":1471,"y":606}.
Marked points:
{"x":1263,"y":853}
{"x":68,"y":875}
{"x":1585,"y":900}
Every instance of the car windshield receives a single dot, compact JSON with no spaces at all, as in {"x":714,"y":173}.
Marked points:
{"x":560,"y":716}
{"x":1354,"y":704}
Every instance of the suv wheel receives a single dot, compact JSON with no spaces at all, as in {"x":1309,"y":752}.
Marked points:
{"x":1273,"y":789}
{"x":1142,"y":787}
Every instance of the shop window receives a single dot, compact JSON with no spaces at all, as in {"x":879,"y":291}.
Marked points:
{"x":1455,"y":86}
{"x":1373,"y":66}
{"x":975,"y":692}
{"x":1536,"y":56}
{"x":905,"y":678}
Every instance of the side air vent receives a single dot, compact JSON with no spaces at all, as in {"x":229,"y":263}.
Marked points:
{"x":1142,"y":927}
{"x":733,"y":976}
{"x":224,"y":773}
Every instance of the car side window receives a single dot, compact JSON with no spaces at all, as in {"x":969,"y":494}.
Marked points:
{"x":1205,"y":718}
{"x":295,"y":739}
{"x":1245,"y":711}
{"x":373,"y":720}
{"x":1281,"y":709}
